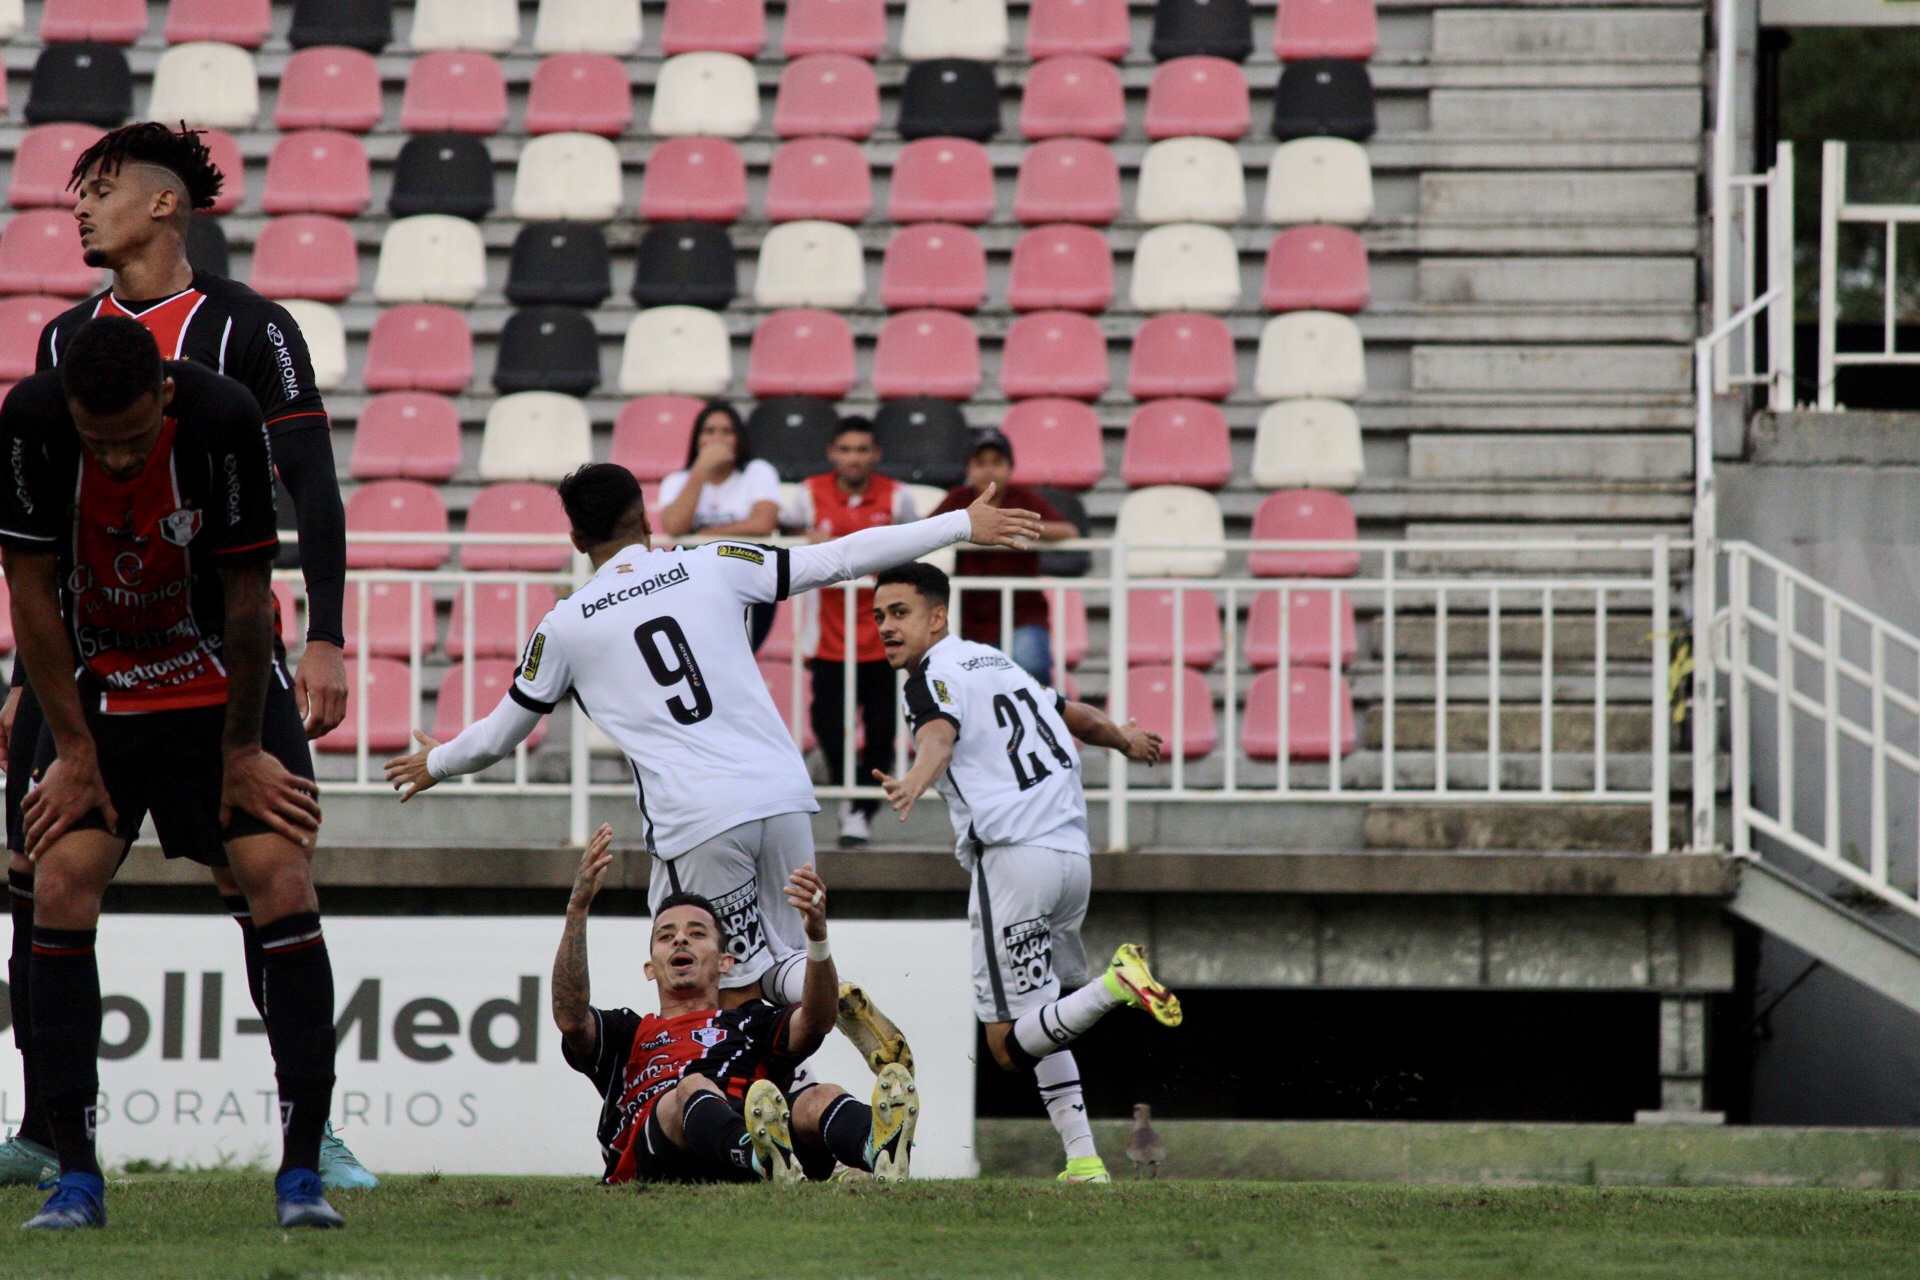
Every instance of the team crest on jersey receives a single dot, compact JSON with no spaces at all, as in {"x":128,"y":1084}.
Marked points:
{"x":742,"y":553}
{"x":532,"y":665}
{"x":180,"y":526}
{"x":709,"y":1036}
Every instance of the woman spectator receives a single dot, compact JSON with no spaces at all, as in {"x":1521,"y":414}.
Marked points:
{"x":724,"y":491}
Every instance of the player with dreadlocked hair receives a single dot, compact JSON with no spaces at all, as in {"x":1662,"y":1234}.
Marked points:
{"x":139,"y":187}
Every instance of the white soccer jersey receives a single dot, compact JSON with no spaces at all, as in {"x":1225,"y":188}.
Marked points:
{"x":1015,"y":775}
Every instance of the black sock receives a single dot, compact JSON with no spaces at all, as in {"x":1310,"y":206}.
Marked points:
{"x":250,"y":948}
{"x":297,"y":999}
{"x":65,"y":988}
{"x":717,"y":1136}
{"x":33,"y":1116}
{"x":845,"y":1128}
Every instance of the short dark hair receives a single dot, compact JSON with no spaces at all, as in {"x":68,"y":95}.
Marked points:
{"x":929,"y":580}
{"x":109,"y":363}
{"x":853,"y":422}
{"x":600,"y":498}
{"x":681,"y":898}
{"x":742,"y":449}
{"x":150,"y":142}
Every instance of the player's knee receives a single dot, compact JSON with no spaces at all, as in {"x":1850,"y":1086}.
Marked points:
{"x":810,"y":1104}
{"x":999,"y":1036}
{"x":18,"y":862}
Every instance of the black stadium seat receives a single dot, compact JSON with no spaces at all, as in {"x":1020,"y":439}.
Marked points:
{"x":949,"y":98}
{"x":922,"y":441}
{"x":80,"y":83}
{"x":442,"y":173}
{"x":358,"y":24}
{"x":1324,"y":96}
{"x":1067,"y":564}
{"x":548,"y":349}
{"x":207,"y":245}
{"x":559,"y":262}
{"x":691,"y":263}
{"x":1202,"y":28}
{"x":792,"y":433}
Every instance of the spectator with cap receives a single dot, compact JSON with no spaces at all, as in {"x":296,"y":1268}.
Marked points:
{"x":723,"y":491}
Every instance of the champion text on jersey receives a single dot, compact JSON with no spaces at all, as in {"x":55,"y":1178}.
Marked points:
{"x":646,"y":587}
{"x":742,"y":553}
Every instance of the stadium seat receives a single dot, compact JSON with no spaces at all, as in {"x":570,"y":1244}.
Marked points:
{"x":942,"y":180}
{"x":1202,"y":28}
{"x":431,"y":258}
{"x":802,"y":352}
{"x":779,"y":680}
{"x":810,"y":264}
{"x":934,"y":354}
{"x":1199,"y":97}
{"x":21,"y":320}
{"x":1094,"y":28}
{"x":389,"y":632}
{"x":1183,"y":353}
{"x":823,"y":178}
{"x":43,"y":165}
{"x":1327,"y":29}
{"x":856,"y":28}
{"x":379,"y":715}
{"x":446,"y":173}
{"x":949,"y":98}
{"x":534,"y":435}
{"x":1308,"y":615}
{"x":454,"y":91}
{"x":559,"y":262}
{"x":306,"y":255}
{"x":326,"y":336}
{"x":396,"y":506}
{"x":704,"y":179}
{"x":1064,"y":267}
{"x":580,"y":93}
{"x":611,"y":27}
{"x":1068,"y":180}
{"x":366,"y":25}
{"x":690,"y":263}
{"x":572,"y":176}
{"x":651,"y":434}
{"x":1316,"y":268}
{"x":419,"y":347}
{"x":207,"y":84}
{"x":318,"y":171}
{"x":329,"y":88}
{"x":225,"y":153}
{"x":40,"y":253}
{"x":486,"y":26}
{"x":779,"y":646}
{"x":792,"y":434}
{"x":1152,"y":698}
{"x":1072,"y":96}
{"x":501,"y":623}
{"x":470,"y":691}
{"x":1054,"y":353}
{"x":548,"y":348}
{"x":676,"y":351}
{"x":1324,"y":96}
{"x":1185,"y":266}
{"x":406,"y":435}
{"x":827,"y":95}
{"x":1068,"y":564}
{"x":1191,"y":180}
{"x":1310,"y":691}
{"x":1310,"y":353}
{"x":1150,"y":638}
{"x":1325,"y":180}
{"x":207,"y":246}
{"x":954,"y":29}
{"x":246,"y":23}
{"x":107,"y":21}
{"x":922,"y":441}
{"x":85,"y":83}
{"x":934,"y":264}
{"x":1308,"y":443}
{"x":718,"y":26}
{"x":1304,"y":515}
{"x":1055,"y":442}
{"x":1070,"y":608}
{"x":716,"y":94}
{"x":523,"y":507}
{"x":1177,"y":441}
{"x":13,"y":17}
{"x":1172,"y":514}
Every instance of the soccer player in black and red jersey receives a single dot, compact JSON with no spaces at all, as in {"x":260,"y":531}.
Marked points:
{"x":696,"y":1093}
{"x":138,"y":188}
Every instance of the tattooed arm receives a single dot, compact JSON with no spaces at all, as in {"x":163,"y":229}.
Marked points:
{"x":572,"y":991}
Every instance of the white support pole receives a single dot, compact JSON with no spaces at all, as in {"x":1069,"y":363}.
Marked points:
{"x":1117,"y":840}
{"x":1833,"y":188}
{"x":1721,"y":160}
{"x":1662,"y":783}
{"x":1780,"y":336}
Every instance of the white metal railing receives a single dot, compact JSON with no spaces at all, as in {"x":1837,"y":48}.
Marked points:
{"x":1753,"y":278}
{"x":1836,"y":210}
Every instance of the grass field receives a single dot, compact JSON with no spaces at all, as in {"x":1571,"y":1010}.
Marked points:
{"x":219,"y":1225}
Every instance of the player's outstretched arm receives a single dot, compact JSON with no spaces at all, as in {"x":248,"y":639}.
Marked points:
{"x":820,"y":995}
{"x":253,"y":780}
{"x":572,"y":992}
{"x":933,"y":752}
{"x":871,"y":550}
{"x":1097,"y":729}
{"x":483,"y":743}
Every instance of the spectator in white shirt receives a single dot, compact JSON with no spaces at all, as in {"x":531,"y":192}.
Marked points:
{"x":724,"y":491}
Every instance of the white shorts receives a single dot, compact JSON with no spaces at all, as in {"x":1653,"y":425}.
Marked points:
{"x":1026,"y":908}
{"x":743,"y":872}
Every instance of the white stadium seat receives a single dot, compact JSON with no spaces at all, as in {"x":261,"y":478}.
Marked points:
{"x":1185,"y":266}
{"x":1191,"y":180}
{"x":954,"y":29}
{"x":571,"y":176}
{"x":535,"y":435}
{"x":1172,"y":513}
{"x":588,"y":26}
{"x":326,"y":338}
{"x":486,"y":26}
{"x":715,"y":95}
{"x":1308,"y":444}
{"x":13,"y":16}
{"x":810,"y":264}
{"x":1319,"y":180}
{"x":680,"y":351}
{"x":1310,"y":353}
{"x":207,"y":84}
{"x":431,"y":257}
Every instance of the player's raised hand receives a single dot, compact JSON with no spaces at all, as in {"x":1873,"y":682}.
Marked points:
{"x":807,"y":894}
{"x":594,"y":864}
{"x":408,"y":773}
{"x":257,"y":783}
{"x":901,"y":792}
{"x":1139,"y":744}
{"x":71,"y":788}
{"x":999,"y":527}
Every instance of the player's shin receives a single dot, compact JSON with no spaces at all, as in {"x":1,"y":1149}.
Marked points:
{"x":1060,"y":1022}
{"x":1058,"y":1076}
{"x":298,"y":994}
{"x":64,"y":984}
{"x":845,"y":1127}
{"x":717,"y":1137}
{"x":33,"y":1116}
{"x":236,"y":905}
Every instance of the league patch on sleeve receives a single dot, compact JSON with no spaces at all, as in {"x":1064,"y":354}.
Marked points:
{"x":940,"y":692}
{"x":741,"y":553}
{"x":532,"y":665}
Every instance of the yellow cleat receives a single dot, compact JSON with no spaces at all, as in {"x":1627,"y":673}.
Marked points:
{"x":896,"y":1111}
{"x":1131,"y":982}
{"x":873,"y":1033}
{"x":770,"y":1129}
{"x":1085,"y":1169}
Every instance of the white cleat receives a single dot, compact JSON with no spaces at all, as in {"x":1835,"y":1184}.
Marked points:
{"x":896,"y":1111}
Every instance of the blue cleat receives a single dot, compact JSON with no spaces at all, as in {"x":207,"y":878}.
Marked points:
{"x":299,"y":1202}
{"x":340,"y":1169}
{"x":24,"y":1163}
{"x":79,"y":1201}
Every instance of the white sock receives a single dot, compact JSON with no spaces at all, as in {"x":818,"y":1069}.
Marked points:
{"x":784,"y":983}
{"x":1059,"y":1078}
{"x":1052,"y":1026}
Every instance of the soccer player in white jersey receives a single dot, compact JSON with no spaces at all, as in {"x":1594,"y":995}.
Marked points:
{"x":998,"y":746}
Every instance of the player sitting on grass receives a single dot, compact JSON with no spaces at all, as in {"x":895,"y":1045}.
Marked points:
{"x":695,"y":1093}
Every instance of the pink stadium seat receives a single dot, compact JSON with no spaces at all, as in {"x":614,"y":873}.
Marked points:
{"x":246,"y":23}
{"x":330,"y":87}
{"x":454,"y":91}
{"x":318,"y":171}
{"x":779,"y":680}
{"x":1071,"y":608}
{"x":1177,"y":442}
{"x":1347,"y":29}
{"x":1150,"y":700}
{"x":1309,"y":617}
{"x":383,"y":697}
{"x":396,"y":506}
{"x":1150,"y":640}
{"x":1056,"y":442}
{"x":1073,"y":97}
{"x":285,"y":613}
{"x":1062,"y":266}
{"x":516,"y":507}
{"x":6,"y":618}
{"x":823,"y":178}
{"x":942,"y":180}
{"x":1304,"y":515}
{"x":306,"y":255}
{"x":1054,"y":353}
{"x":857,"y":28}
{"x":1183,"y":353}
{"x":408,"y":435}
{"x":827,"y":95}
{"x":498,"y":631}
{"x":723,"y":26}
{"x":21,"y":320}
{"x":1316,"y":268}
{"x":420,"y":347}
{"x":778,"y":646}
{"x":43,"y":165}
{"x":1199,"y":98}
{"x":1309,"y":717}
{"x":934,"y":264}
{"x":1068,"y":180}
{"x":233,"y":168}
{"x":703,"y":179}
{"x":1096,"y":28}
{"x":801,"y":353}
{"x":927,"y":353}
{"x":107,"y":21}
{"x":651,"y":434}
{"x":40,"y":253}
{"x":580,"y":93}
{"x":390,"y":633}
{"x":490,"y":679}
